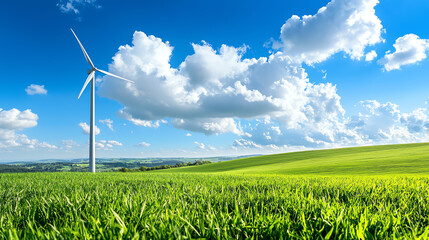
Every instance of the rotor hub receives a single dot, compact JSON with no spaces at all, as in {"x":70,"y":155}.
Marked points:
{"x":91,"y":70}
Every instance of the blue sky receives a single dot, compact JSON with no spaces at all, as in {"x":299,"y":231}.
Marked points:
{"x":212,"y":78}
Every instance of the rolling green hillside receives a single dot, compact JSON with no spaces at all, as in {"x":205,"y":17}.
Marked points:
{"x":373,"y":160}
{"x":253,"y":202}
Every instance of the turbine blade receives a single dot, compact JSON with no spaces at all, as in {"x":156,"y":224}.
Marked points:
{"x":113,"y":75}
{"x":90,"y":77}
{"x":83,"y":50}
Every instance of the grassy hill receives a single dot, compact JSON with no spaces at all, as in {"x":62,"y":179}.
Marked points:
{"x":206,"y":203}
{"x":373,"y":160}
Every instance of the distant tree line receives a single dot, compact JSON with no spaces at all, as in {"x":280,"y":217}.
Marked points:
{"x":101,"y":166}
{"x":13,"y":169}
{"x":137,"y":164}
{"x":177,"y":165}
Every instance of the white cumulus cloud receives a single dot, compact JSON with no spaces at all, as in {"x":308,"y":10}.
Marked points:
{"x":342,"y":25}
{"x":409,"y":49}
{"x":214,"y":90}
{"x":417,"y":121}
{"x":208,"y":125}
{"x":34,"y":89}
{"x":14,"y":120}
{"x":370,"y":56}
{"x":376,"y":123}
{"x":243,"y":88}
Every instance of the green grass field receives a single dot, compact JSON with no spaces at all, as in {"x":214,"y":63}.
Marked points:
{"x":374,"y":160}
{"x":379,"y":192}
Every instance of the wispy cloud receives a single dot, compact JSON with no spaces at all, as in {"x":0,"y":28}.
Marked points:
{"x":74,"y":6}
{"x":108,"y":123}
{"x":107,"y":144}
{"x":144,"y":144}
{"x":203,"y":146}
{"x":69,"y":144}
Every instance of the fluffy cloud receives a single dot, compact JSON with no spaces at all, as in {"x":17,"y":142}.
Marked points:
{"x":139,"y":122}
{"x":409,"y":49}
{"x":208,"y":126}
{"x":214,"y":90}
{"x":342,"y":25}
{"x":108,"y":123}
{"x":144,"y":144}
{"x":34,"y":89}
{"x":417,"y":121}
{"x":384,"y":123}
{"x":14,"y":120}
{"x":370,"y":56}
{"x":17,"y":120}
{"x":376,"y":123}
{"x":86,"y":130}
{"x":73,"y":6}
{"x":201,"y":97}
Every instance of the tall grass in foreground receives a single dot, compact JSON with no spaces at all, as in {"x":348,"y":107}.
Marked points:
{"x":175,"y":206}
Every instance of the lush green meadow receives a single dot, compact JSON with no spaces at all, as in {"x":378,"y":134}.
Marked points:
{"x":228,"y":203}
{"x":374,"y":160}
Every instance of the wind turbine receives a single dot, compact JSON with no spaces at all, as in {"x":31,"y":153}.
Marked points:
{"x":91,"y":78}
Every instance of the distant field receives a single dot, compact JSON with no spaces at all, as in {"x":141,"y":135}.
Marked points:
{"x":103,"y":164}
{"x":284,"y":196}
{"x":373,"y":160}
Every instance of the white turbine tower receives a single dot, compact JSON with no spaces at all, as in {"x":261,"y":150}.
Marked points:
{"x":91,"y":78}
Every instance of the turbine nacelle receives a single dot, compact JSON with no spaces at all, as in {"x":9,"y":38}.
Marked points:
{"x":91,"y":72}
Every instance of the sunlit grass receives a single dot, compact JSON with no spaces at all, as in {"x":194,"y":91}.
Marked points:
{"x":162,"y":206}
{"x":374,"y":160}
{"x":355,"y":193}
